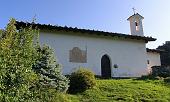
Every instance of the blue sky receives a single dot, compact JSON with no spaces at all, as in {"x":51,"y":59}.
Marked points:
{"x":105,"y":15}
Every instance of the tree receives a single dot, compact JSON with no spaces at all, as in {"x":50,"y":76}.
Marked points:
{"x":17,"y":55}
{"x":20,"y":53}
{"x":49,"y":70}
{"x":165,"y":54}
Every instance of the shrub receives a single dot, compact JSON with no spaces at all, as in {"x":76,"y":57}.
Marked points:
{"x":49,"y":95}
{"x":167,"y":80}
{"x":146,"y":77}
{"x":81,"y":80}
{"x":49,"y":70}
{"x":161,"y":71}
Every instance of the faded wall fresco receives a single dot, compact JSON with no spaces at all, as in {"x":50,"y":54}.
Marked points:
{"x":77,"y":55}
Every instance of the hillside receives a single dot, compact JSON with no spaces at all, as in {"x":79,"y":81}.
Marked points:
{"x":125,"y":90}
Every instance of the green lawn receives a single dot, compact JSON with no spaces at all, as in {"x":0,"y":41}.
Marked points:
{"x":125,"y":90}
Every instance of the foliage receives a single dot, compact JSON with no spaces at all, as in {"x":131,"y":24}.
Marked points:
{"x":165,"y":54}
{"x":148,"y":77}
{"x":1,"y":32}
{"x":167,"y":79}
{"x":48,"y":95}
{"x":81,"y":80}
{"x":17,"y":55}
{"x":161,"y":71}
{"x":49,"y":71}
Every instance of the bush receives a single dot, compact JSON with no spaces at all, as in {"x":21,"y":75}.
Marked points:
{"x":49,"y":95}
{"x":167,"y":80}
{"x":81,"y":80}
{"x":146,"y":77}
{"x":161,"y":71}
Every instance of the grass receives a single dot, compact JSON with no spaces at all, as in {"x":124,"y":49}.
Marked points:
{"x":125,"y":90}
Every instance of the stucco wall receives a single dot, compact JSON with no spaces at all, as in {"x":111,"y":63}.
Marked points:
{"x":129,"y":55}
{"x":154,"y":60}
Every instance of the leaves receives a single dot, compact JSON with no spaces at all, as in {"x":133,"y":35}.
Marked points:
{"x":17,"y":55}
{"x":165,"y":54}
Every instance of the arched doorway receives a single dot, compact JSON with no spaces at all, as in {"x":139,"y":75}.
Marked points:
{"x":105,"y":67}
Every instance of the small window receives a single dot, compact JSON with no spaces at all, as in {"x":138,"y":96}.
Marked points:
{"x":147,"y":61}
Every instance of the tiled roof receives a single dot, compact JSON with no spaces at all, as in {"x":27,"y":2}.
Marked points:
{"x":90,"y":32}
{"x":154,"y":50}
{"x":136,"y":14}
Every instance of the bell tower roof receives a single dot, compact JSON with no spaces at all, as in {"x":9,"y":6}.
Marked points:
{"x":135,"y":15}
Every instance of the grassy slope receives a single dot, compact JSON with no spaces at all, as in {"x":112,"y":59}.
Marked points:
{"x":125,"y":90}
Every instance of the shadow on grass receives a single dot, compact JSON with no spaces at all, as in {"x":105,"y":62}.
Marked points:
{"x":114,"y":78}
{"x":148,"y":77}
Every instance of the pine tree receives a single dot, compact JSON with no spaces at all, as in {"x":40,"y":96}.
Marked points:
{"x":49,"y":70}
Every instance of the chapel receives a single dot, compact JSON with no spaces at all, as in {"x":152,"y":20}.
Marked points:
{"x":107,"y":54}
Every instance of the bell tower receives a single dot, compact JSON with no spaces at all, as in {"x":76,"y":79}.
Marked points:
{"x":136,"y":26}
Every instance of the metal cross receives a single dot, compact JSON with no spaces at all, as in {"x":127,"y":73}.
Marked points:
{"x":134,"y":10}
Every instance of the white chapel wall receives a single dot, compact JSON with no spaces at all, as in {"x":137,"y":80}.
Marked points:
{"x":153,"y":59}
{"x":130,"y":56}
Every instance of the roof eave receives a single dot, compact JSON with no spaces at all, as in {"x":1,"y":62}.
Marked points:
{"x":59,"y":28}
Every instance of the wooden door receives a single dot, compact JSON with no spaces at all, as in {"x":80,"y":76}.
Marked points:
{"x":105,"y":67}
